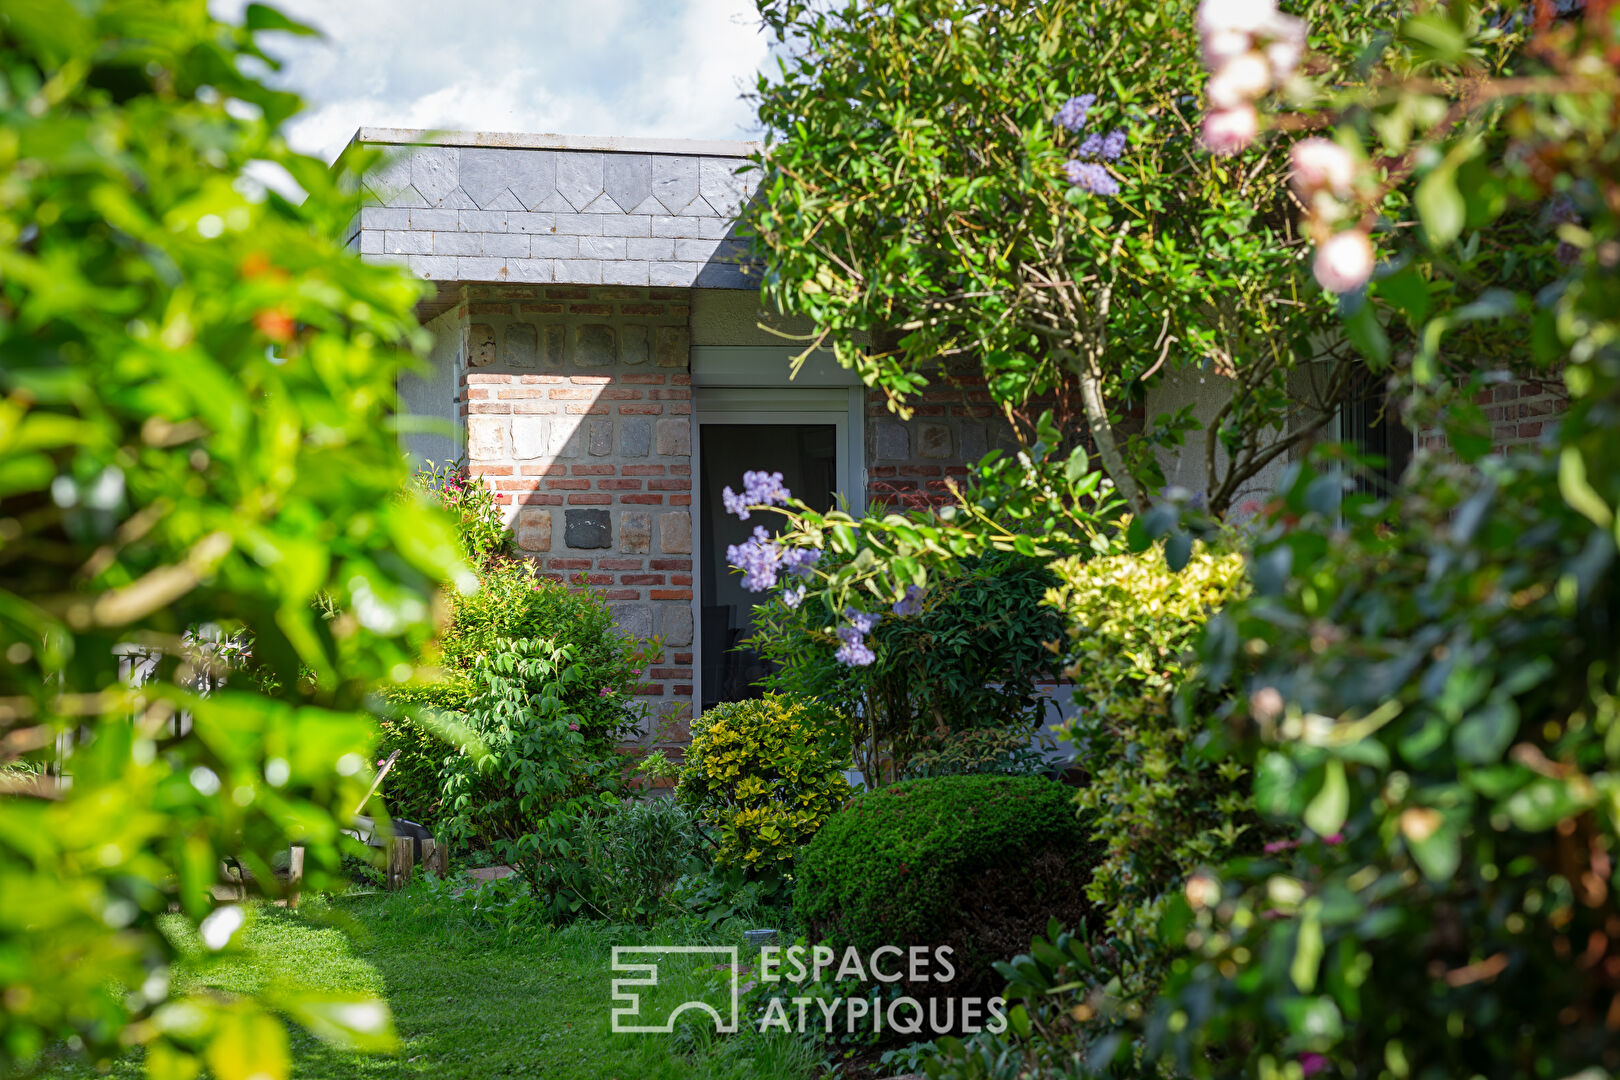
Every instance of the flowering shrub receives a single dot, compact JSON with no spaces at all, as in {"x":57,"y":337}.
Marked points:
{"x":765,"y":773}
{"x":471,"y":504}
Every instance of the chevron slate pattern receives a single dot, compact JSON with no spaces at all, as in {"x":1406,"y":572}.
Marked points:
{"x":577,"y":217}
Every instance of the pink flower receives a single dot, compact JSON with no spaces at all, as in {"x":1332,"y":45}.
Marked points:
{"x":1222,"y":46}
{"x":1321,"y":164}
{"x":1286,"y":49}
{"x":573,"y":725}
{"x":1333,"y":839}
{"x":1244,"y":16}
{"x":1345,"y":262}
{"x":1227,"y":131}
{"x":1277,"y":846}
{"x":606,"y":691}
{"x":1243,"y":78}
{"x":1311,"y":1064}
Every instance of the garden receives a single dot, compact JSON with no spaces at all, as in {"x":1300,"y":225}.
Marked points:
{"x":1310,"y":770}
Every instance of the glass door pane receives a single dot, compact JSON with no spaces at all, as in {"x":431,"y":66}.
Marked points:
{"x":807,"y":457}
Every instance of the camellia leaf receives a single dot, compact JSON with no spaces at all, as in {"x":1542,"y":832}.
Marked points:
{"x":1326,"y":813}
{"x":1440,"y":207}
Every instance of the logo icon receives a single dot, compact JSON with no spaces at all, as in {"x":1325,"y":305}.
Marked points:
{"x":629,"y":1008}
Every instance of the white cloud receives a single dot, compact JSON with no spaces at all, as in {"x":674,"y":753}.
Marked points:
{"x":581,"y":67}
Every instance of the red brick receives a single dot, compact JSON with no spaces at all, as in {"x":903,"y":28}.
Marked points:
{"x":642,"y":500}
{"x":598,"y":579}
{"x":642,"y":378}
{"x":641,"y":309}
{"x":588,"y":410}
{"x":670,"y":483}
{"x":620,"y":564}
{"x":619,"y":485}
{"x":541,"y":309}
{"x":477,"y":395}
{"x":569,"y":393}
{"x":490,"y":470}
{"x":680,"y":408}
{"x":679,"y":393}
{"x":568,"y":485}
{"x":489,"y":408}
{"x":671,"y":564}
{"x":532,"y":408}
{"x":644,"y":470}
{"x":624,"y":594}
{"x":490,"y":309}
{"x":593,"y":470}
{"x":670,"y":673}
{"x":534,"y":498}
{"x":641,"y":579}
{"x":680,"y":500}
{"x":640,"y":410}
{"x":680,"y":470}
{"x":682,"y":658}
{"x":682,"y":689}
{"x":622,"y":393}
{"x":590,"y":500}
{"x":590,"y":309}
{"x":649,"y":690}
{"x":680,"y":380}
{"x":671,"y":594}
{"x":542,"y":378}
{"x":590,"y":380}
{"x":568,"y":293}
{"x":545,"y":470}
{"x":569,"y":564}
{"x":519,"y":395}
{"x":680,"y":579}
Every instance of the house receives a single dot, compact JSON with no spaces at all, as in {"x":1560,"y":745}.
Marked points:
{"x":601,"y":360}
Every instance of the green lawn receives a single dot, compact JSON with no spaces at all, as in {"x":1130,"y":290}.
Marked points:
{"x":488,"y":1003}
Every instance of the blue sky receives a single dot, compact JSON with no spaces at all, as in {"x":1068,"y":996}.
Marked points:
{"x":671,"y":68}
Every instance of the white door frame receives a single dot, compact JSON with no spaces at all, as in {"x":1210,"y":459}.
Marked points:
{"x":842,"y":407}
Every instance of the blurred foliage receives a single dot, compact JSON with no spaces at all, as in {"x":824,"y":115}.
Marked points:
{"x":197,"y":439}
{"x":968,"y":661}
{"x":765,"y":774}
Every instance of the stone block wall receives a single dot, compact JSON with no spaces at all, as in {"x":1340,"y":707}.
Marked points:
{"x":578,"y":408}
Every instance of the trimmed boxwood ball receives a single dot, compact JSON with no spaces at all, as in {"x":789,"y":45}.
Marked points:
{"x":978,"y":863}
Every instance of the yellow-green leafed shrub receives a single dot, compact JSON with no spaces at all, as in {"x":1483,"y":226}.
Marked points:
{"x":765,"y":774}
{"x":1162,"y":802}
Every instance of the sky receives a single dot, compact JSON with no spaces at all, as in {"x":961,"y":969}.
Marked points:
{"x":666,"y":68}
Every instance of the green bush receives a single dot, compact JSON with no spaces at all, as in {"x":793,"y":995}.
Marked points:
{"x":969,"y":659}
{"x":1164,"y":800}
{"x":511,"y":603}
{"x":535,"y":771}
{"x":977,"y":863}
{"x":765,"y":773}
{"x":634,"y":853}
{"x":471,"y":506}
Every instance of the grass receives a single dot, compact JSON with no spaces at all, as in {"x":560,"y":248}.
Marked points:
{"x":486,"y":1000}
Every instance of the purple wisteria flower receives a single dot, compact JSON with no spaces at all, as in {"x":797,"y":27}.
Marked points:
{"x":758,"y":558}
{"x":911,"y":604}
{"x":800,"y":562}
{"x":854,"y":652}
{"x":1092,"y":177}
{"x":862,"y":621}
{"x":1073,"y":113}
{"x":759,"y":489}
{"x":1113,"y":145}
{"x":793,"y":597}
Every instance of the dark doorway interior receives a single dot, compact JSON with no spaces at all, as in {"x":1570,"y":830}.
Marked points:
{"x":807,"y":457}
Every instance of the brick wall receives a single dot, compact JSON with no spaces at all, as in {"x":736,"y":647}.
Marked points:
{"x":1519,"y":411}
{"x":578,"y":409}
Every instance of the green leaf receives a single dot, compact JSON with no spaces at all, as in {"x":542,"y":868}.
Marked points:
{"x":248,"y":1045}
{"x":1326,"y":812}
{"x":1307,"y":948}
{"x":1440,"y":206}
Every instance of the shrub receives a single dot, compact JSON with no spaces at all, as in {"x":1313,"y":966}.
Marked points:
{"x":472,"y":507}
{"x":512,"y":603}
{"x":633,"y":854}
{"x":1163,"y":797}
{"x":978,"y":863}
{"x":967,"y":658}
{"x":766,"y":774}
{"x":537,"y":770}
